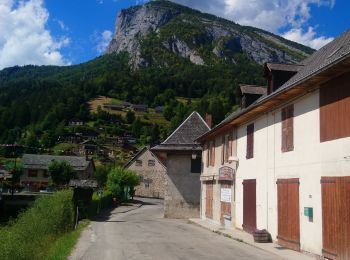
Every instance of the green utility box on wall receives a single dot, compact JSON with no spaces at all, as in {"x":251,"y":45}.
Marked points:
{"x":308,"y":212}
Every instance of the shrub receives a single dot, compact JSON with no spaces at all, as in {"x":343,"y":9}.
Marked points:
{"x":31,"y":234}
{"x":119,"y":178}
{"x":61,"y":172}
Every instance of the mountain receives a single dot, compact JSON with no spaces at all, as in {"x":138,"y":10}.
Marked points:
{"x":204,"y":39}
{"x":162,"y":54}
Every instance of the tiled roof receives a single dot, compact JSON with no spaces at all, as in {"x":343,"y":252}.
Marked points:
{"x":37,"y":161}
{"x":284,"y":67}
{"x":186,"y":134}
{"x":327,"y":56}
{"x":253,"y":89}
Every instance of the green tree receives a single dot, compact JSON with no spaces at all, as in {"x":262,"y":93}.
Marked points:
{"x":119,"y":178}
{"x":61,"y":172}
{"x":130,"y":117}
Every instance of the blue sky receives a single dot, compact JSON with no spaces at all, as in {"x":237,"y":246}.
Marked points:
{"x":66,"y":32}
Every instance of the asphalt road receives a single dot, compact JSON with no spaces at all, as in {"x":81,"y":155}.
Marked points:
{"x":142,"y":233}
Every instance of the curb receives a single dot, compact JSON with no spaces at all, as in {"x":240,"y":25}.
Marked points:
{"x":217,"y":231}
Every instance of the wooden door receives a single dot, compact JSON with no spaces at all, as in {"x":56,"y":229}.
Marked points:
{"x":288,"y":213}
{"x":225,"y":206}
{"x":249,"y":205}
{"x":209,"y":199}
{"x":336,"y":217}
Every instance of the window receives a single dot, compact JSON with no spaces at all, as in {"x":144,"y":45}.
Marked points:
{"x":226,"y":151}
{"x":32,"y":173}
{"x":207,"y":148}
{"x":151,"y":162}
{"x":210,"y":154}
{"x":250,"y":141}
{"x":138,"y":162}
{"x":141,"y":178}
{"x":287,"y":129}
{"x":334,"y":109}
{"x":196,"y":165}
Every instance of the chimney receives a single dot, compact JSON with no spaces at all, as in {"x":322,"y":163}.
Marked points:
{"x":208,"y":119}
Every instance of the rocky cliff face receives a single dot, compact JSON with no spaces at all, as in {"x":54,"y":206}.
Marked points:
{"x":200,"y":38}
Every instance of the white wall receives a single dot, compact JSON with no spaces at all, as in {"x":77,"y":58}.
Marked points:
{"x":309,"y":160}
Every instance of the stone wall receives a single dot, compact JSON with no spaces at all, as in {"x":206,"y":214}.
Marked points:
{"x":182,"y":188}
{"x":152,"y":177}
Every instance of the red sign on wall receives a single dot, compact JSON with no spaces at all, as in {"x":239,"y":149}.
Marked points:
{"x":225,"y":173}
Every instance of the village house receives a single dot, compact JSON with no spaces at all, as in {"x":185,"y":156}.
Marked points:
{"x":35,"y":175}
{"x":282,"y":163}
{"x":75,"y":122}
{"x":139,"y":107}
{"x":182,"y":157}
{"x":151,"y":172}
{"x":115,"y":107}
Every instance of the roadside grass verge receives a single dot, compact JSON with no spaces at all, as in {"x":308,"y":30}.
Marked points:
{"x":64,"y":245}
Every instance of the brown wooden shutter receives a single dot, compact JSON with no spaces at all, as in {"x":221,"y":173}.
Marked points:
{"x":287,"y":141}
{"x":223,"y":149}
{"x":212,"y":153}
{"x":230,"y":144}
{"x":290,"y":126}
{"x":207,"y":156}
{"x":250,"y":141}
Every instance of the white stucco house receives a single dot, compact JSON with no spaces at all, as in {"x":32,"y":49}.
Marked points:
{"x":282,"y":163}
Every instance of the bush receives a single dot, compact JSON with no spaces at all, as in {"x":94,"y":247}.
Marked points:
{"x":32,"y":233}
{"x":61,"y":172}
{"x":119,"y":178}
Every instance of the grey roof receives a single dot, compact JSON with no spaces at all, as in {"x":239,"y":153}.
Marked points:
{"x":284,"y":67}
{"x":139,"y":106}
{"x":186,"y":134}
{"x":36,"y":161}
{"x":253,"y":89}
{"x":327,"y":56}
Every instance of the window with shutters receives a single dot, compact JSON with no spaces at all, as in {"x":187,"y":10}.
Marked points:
{"x":222,"y":149}
{"x":226,"y":149}
{"x":287,"y":129}
{"x":212,"y":153}
{"x":250,"y":141}
{"x":207,"y":147}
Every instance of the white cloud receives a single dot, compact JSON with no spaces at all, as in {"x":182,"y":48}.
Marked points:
{"x":102,"y":40}
{"x":24,"y":38}
{"x":308,"y":38}
{"x":271,"y":15}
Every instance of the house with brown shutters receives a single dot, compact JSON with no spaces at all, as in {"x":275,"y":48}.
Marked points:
{"x":287,"y":168}
{"x":181,"y":154}
{"x":151,"y":172}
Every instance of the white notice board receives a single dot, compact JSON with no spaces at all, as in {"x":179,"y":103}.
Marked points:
{"x":225,"y":195}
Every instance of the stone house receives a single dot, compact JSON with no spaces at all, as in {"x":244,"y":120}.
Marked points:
{"x":287,"y":156}
{"x":35,"y":169}
{"x":151,"y":172}
{"x":182,"y":157}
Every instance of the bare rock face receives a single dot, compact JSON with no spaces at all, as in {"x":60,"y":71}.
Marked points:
{"x":135,"y":23}
{"x":223,"y":37}
{"x":181,"y":48}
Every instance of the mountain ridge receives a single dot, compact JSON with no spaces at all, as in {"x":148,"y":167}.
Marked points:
{"x":202,"y":38}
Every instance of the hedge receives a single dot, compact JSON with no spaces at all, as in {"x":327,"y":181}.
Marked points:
{"x":34,"y":231}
